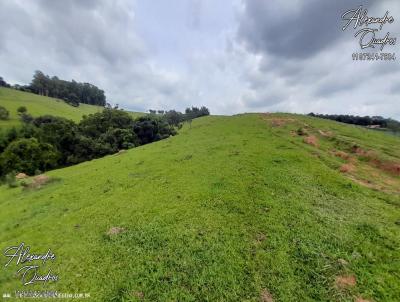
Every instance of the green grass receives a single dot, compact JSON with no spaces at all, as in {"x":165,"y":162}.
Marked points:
{"x":38,"y":105}
{"x":226,"y":209}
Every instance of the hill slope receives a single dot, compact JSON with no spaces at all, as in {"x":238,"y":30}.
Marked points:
{"x":235,"y":208}
{"x":38,"y":105}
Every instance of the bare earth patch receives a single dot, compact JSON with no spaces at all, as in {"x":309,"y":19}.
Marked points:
{"x":341,"y":154}
{"x":39,"y":181}
{"x":21,"y":176}
{"x":346,"y":168}
{"x":311,"y":140}
{"x":276,"y":121}
{"x":325,"y":133}
{"x":115,"y":231}
{"x":359,"y":299}
{"x":345,"y":281}
{"x":266,"y":296}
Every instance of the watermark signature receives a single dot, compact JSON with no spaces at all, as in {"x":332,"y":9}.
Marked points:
{"x":29,"y":264}
{"x":368,"y":31}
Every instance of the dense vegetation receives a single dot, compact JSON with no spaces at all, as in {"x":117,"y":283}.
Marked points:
{"x":47,"y":142}
{"x":382,"y":122}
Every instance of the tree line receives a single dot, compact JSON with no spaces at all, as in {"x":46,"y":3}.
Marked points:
{"x":71,"y":92}
{"x":382,"y":122}
{"x":48,"y":142}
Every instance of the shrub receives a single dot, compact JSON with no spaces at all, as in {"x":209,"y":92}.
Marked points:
{"x":4,"y":113}
{"x":27,"y":155}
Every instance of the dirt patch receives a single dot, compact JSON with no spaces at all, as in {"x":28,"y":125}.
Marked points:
{"x":302,"y":132}
{"x":342,"y":154}
{"x":276,"y":121}
{"x":345,"y":281}
{"x":21,"y":176}
{"x":311,"y":140}
{"x":266,"y":296}
{"x":370,"y":155}
{"x":346,"y":168}
{"x":325,"y":133}
{"x":115,"y":231}
{"x":39,"y":181}
{"x":391,"y":167}
{"x":359,"y":299}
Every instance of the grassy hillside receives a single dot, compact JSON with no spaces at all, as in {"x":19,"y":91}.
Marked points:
{"x":38,"y":105}
{"x":239,"y":208}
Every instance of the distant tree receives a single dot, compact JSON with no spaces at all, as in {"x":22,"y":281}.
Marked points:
{"x":174,"y":118}
{"x":152,"y":111}
{"x":4,"y":113}
{"x":160,"y":111}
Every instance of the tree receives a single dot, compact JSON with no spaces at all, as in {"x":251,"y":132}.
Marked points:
{"x":28,"y":155}
{"x":4,"y":113}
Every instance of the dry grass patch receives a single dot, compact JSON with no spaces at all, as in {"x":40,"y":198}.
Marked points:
{"x":115,"y":231}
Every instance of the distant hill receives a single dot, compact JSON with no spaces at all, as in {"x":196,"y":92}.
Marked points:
{"x":38,"y":105}
{"x":251,"y":207}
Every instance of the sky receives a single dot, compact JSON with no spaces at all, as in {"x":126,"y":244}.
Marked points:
{"x":231,"y":56}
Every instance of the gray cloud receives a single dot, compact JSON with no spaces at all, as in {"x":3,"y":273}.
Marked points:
{"x":297,"y":29}
{"x":305,"y":59}
{"x":231,"y":56}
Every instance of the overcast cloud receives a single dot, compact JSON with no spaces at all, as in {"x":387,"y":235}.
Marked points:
{"x":232,"y":56}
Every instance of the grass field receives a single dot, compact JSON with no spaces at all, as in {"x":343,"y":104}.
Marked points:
{"x":239,"y":208}
{"x":38,"y":105}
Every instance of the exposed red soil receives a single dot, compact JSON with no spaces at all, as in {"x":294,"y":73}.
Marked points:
{"x":345,"y":281}
{"x":311,"y":140}
{"x":346,"y":168}
{"x":342,"y":154}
